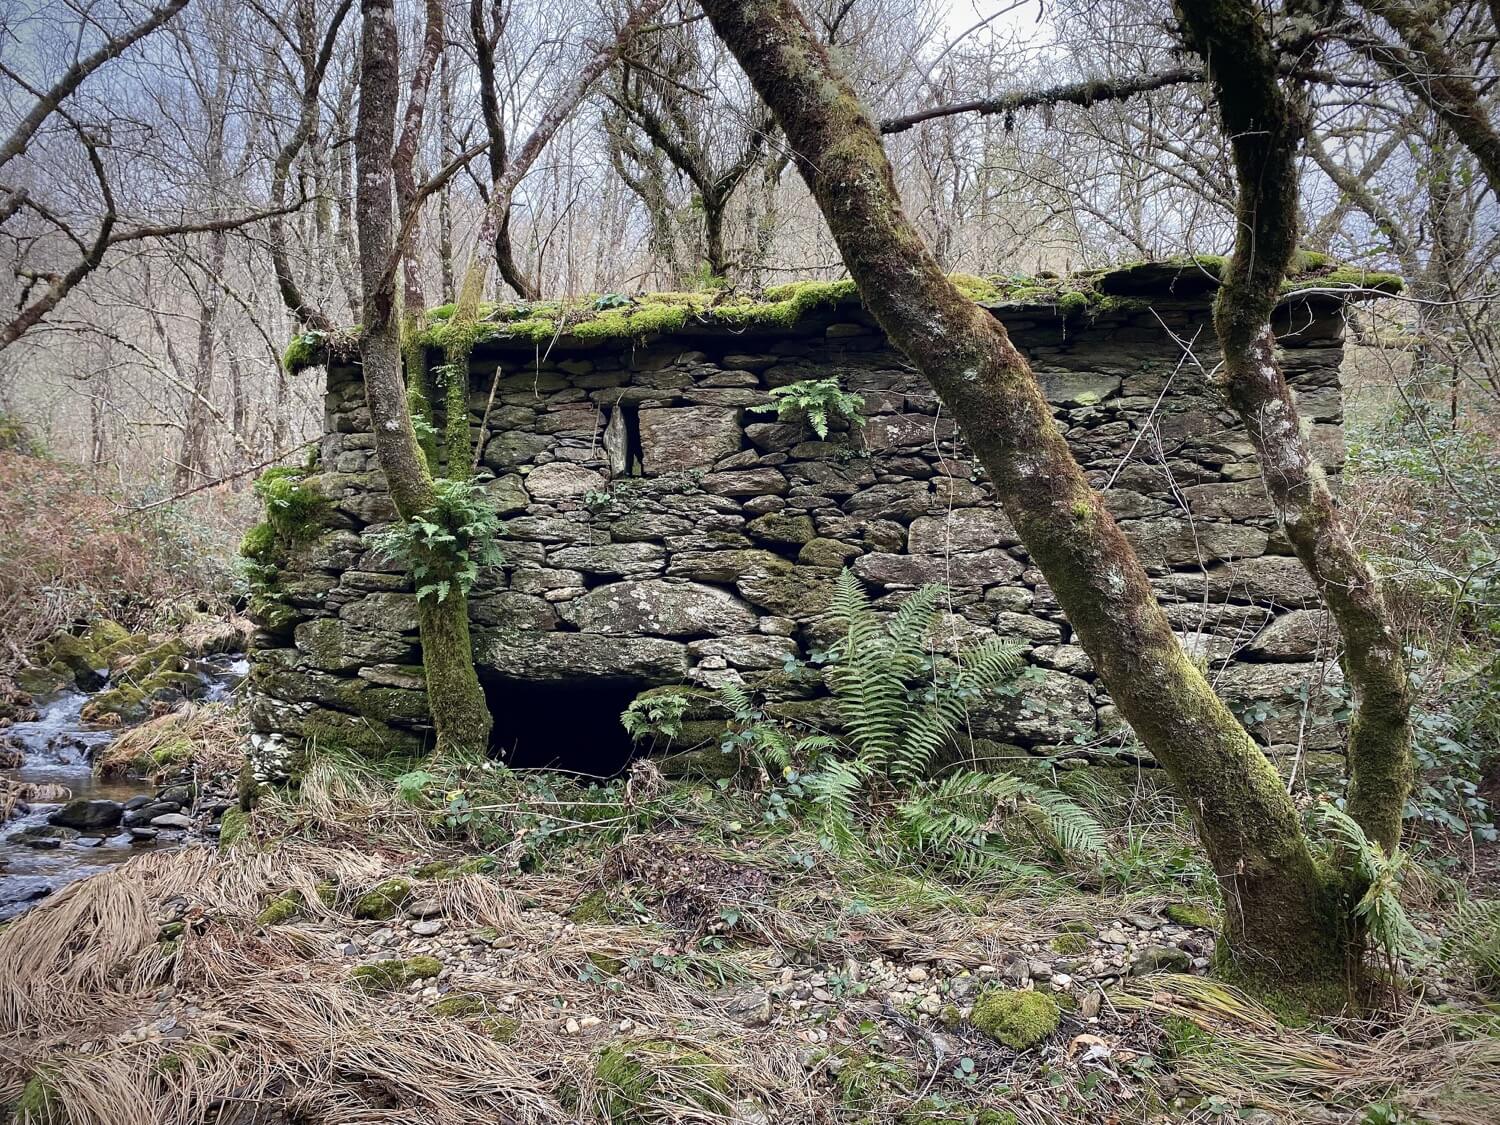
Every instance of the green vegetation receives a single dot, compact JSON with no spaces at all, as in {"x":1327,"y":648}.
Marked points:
{"x":387,"y":976}
{"x":445,"y":546}
{"x":461,"y":1006}
{"x":1070,"y":944}
{"x":902,"y":717}
{"x":1018,"y":1018}
{"x":282,"y":908}
{"x":384,"y":900}
{"x":615,"y":317}
{"x":816,"y":402}
{"x":638,"y":1083}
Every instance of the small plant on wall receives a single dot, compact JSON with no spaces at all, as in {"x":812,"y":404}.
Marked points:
{"x":816,"y":402}
{"x":446,"y":545}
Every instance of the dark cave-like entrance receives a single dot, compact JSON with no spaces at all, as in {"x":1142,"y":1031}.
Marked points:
{"x":570,"y":725}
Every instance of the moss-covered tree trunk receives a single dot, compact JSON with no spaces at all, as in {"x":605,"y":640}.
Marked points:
{"x":1264,"y":119}
{"x":1280,"y":915}
{"x":453,"y":693}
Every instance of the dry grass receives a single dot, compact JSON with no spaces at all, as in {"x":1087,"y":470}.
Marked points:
{"x":208,"y":735}
{"x":13,"y":793}
{"x":263,"y":1023}
{"x":73,"y":550}
{"x":1425,"y":1061}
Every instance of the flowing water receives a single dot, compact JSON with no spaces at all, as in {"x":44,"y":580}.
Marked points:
{"x":58,"y":749}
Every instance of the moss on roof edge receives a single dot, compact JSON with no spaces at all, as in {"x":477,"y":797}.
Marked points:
{"x":621,"y":318}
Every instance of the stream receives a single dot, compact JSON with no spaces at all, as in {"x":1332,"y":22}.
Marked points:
{"x":58,"y":749}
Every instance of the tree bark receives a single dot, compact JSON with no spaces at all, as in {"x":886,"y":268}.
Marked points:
{"x":454,"y":696}
{"x":1265,"y":124}
{"x":1279,"y":911}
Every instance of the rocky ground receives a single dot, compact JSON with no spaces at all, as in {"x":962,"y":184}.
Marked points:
{"x":353,"y":955}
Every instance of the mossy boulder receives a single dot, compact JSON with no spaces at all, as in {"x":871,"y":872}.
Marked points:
{"x":1070,"y":944}
{"x":387,"y":976}
{"x":456,"y":868}
{"x":76,"y":659}
{"x":1190,"y":914}
{"x":384,"y":900}
{"x":630,"y":1077}
{"x":1016,"y":1017}
{"x":42,"y":681}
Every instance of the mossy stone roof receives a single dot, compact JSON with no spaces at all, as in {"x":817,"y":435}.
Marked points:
{"x":598,"y":318}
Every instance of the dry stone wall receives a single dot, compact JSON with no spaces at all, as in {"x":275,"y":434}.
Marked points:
{"x":660,"y":529}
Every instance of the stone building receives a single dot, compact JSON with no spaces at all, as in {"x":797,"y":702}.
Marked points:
{"x":662,"y":528}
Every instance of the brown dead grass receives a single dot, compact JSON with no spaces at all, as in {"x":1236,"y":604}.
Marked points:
{"x":207,"y":735}
{"x":269,"y":1025}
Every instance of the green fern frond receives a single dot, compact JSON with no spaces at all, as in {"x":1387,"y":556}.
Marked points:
{"x":1067,"y":824}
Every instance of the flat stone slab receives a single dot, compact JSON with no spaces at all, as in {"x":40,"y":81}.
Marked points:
{"x":564,"y":656}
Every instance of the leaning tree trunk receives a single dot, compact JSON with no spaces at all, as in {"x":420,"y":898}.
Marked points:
{"x":1265,"y":123}
{"x":1280,"y":916}
{"x":453,"y":693}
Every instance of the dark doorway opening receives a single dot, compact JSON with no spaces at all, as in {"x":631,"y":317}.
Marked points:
{"x":570,"y":725}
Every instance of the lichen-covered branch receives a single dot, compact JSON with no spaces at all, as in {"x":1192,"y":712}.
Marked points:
{"x":1279,"y":913}
{"x":1265,"y":122}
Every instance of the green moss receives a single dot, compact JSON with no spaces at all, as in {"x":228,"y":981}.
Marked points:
{"x":592,"y":909}
{"x":1016,"y":1017}
{"x":386,"y":976}
{"x":1070,"y":944}
{"x":304,"y":350}
{"x":384,"y":900}
{"x":865,"y":1081}
{"x":1182,"y":1037}
{"x":39,"y":1104}
{"x":232,"y":827}
{"x":280,"y":909}
{"x":502,"y":1029}
{"x":609,"y":966}
{"x":1346,"y":277}
{"x":259,"y":543}
{"x":173,"y":753}
{"x":934,"y":1110}
{"x":456,"y":868}
{"x":630,"y":1077}
{"x":1187,"y":914}
{"x":171,"y":931}
{"x":459,"y":1007}
{"x":975,"y":288}
{"x":293,"y":508}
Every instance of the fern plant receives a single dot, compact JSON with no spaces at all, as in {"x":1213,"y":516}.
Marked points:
{"x":1387,"y":926}
{"x":815,"y":401}
{"x":901,"y":715}
{"x":1473,"y":940}
{"x":445,"y":546}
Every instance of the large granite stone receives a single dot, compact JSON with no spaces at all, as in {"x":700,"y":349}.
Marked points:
{"x":963,"y":529}
{"x":983,"y":568}
{"x":659,"y":608}
{"x":560,"y":480}
{"x":687,"y":437}
{"x":568,"y":656}
{"x":1168,"y":542}
{"x":611,"y":560}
